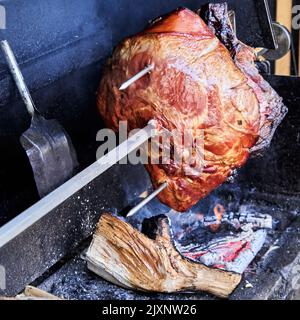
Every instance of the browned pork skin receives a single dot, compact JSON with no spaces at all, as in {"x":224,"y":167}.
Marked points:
{"x":196,"y":84}
{"x":124,"y":256}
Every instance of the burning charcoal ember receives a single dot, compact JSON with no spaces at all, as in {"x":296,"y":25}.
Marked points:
{"x":258,"y":221}
{"x":231,"y":253}
{"x":126,"y":257}
{"x":219,"y":212}
{"x":222,"y":240}
{"x":237,"y":220}
{"x":245,"y":216}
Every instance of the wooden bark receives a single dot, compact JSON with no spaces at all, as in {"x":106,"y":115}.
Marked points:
{"x":124,"y":256}
{"x":32,"y":293}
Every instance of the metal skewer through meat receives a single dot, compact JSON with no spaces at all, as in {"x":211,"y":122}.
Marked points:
{"x":134,"y":210}
{"x":135,"y":78}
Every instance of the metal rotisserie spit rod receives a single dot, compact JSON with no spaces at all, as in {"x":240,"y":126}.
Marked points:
{"x":69,"y":188}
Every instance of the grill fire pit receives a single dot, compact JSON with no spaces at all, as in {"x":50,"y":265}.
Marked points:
{"x":272,"y":273}
{"x":250,"y":226}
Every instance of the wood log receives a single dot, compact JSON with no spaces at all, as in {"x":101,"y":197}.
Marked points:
{"x":32,"y":293}
{"x":126,"y":257}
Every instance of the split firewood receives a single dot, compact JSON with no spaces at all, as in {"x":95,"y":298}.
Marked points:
{"x":38,"y":293}
{"x":32,"y":293}
{"x":131,"y":259}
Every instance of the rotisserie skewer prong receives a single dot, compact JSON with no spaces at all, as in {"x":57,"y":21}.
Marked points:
{"x":138,"y":76}
{"x":134,"y":210}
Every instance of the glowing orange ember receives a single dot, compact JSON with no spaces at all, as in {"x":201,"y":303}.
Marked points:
{"x":219,"y":212}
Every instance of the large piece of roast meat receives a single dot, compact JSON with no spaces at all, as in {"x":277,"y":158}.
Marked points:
{"x":203,"y":78}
